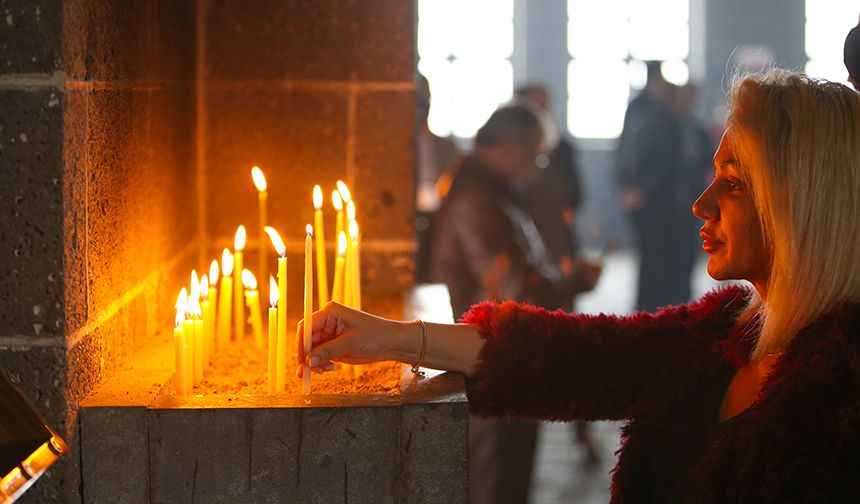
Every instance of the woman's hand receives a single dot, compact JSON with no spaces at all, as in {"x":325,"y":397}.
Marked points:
{"x":342,"y":334}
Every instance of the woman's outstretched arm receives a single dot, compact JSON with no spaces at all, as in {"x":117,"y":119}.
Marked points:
{"x":346,"y":335}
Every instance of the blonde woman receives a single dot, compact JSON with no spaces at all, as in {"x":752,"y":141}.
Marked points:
{"x":750,"y":394}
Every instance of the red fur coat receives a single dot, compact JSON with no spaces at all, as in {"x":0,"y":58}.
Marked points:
{"x":800,"y":442}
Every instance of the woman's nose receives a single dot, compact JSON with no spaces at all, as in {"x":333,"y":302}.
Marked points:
{"x":705,"y":208}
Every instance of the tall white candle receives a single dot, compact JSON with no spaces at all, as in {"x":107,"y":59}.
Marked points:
{"x":308,"y":311}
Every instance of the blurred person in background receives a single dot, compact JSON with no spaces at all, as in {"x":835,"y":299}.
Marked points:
{"x":852,"y":56}
{"x":485,"y":245}
{"x":552,"y":201}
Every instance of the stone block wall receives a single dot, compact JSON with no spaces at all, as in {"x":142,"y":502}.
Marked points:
{"x":97,"y":189}
{"x":312,"y":92}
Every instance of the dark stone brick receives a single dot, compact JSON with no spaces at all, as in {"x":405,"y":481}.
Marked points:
{"x":30,"y":36}
{"x":173,"y":40}
{"x":297,"y":137}
{"x":384,"y":163}
{"x":39,"y":372}
{"x":115,"y":463}
{"x":386,"y":273}
{"x":74,"y":210}
{"x":321,"y":40}
{"x":31,"y":232}
{"x":434,"y":443}
{"x":108,"y":40}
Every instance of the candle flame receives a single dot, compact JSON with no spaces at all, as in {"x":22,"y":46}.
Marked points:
{"x":180,"y":316}
{"x":344,"y":191}
{"x":193,"y":308}
{"x":195,"y":285}
{"x":182,"y":300}
{"x":249,"y":280}
{"x":341,"y":244}
{"x":336,"y":200}
{"x":317,"y":197}
{"x":273,"y":291}
{"x":226,"y":263}
{"x":204,"y":287}
{"x":277,"y":242}
{"x":213,"y":273}
{"x":259,"y":178}
{"x":350,"y":211}
{"x":353,"y":230}
{"x":309,"y":230}
{"x":240,"y":239}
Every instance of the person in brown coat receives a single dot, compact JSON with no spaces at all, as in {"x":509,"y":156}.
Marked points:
{"x":486,"y":246}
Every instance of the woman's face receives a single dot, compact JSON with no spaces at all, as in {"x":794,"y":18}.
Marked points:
{"x":732,"y":234}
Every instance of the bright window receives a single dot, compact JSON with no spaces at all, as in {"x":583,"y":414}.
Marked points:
{"x":464,"y":50}
{"x":827,"y":23}
{"x":607,"y":40}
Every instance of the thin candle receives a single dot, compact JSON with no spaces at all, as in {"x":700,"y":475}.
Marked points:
{"x":273,"y":336}
{"x":281,"y":347}
{"x":263,"y":213}
{"x":179,"y":379}
{"x":319,"y":240}
{"x":193,"y":310}
{"x":213,"y":310}
{"x":225,"y":309}
{"x":308,"y":311}
{"x":337,"y":288}
{"x":207,"y":317}
{"x":337,"y":204}
{"x":238,"y":259}
{"x":252,"y":301}
{"x":355,"y":264}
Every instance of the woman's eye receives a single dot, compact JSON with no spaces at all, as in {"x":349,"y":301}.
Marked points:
{"x":733,"y":186}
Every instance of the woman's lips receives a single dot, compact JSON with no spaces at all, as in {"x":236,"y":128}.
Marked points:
{"x":709,"y":243}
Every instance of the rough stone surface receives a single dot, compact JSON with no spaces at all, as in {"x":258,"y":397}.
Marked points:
{"x":116,"y":464}
{"x":297,"y":137}
{"x":30,"y":36}
{"x":386,"y":273}
{"x":435,"y":451}
{"x":31,"y":231}
{"x":384,"y":164}
{"x":321,"y":40}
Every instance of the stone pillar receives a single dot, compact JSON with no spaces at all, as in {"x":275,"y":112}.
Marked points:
{"x":98,"y":189}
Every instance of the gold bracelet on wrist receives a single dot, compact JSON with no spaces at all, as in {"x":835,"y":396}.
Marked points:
{"x":416,"y":367}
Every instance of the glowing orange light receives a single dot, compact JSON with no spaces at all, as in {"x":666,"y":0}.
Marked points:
{"x":353,"y":229}
{"x":249,"y":280}
{"x":240,"y":239}
{"x":204,"y":287}
{"x":277,"y":242}
{"x":226,"y":263}
{"x":350,"y":211}
{"x":309,"y":230}
{"x":181,"y":303}
{"x":317,"y":197}
{"x":259,"y":178}
{"x":273,"y":291}
{"x":194,"y":292}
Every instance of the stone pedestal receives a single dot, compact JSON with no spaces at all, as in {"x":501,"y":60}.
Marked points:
{"x":141,"y":444}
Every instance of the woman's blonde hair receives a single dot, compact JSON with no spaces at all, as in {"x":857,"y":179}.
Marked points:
{"x":797,"y":141}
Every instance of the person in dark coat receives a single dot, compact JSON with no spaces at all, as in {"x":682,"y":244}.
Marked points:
{"x":485,"y":245}
{"x":652,"y":193}
{"x":851,"y":56}
{"x":750,"y":394}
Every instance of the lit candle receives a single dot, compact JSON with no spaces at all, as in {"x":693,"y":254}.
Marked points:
{"x":346,"y":197}
{"x":252,"y":301}
{"x":193,"y":310}
{"x":197,"y":322}
{"x":337,"y":288}
{"x":262,"y":198}
{"x":319,"y":239}
{"x":225,"y":309}
{"x":355,"y":264}
{"x":238,"y":310}
{"x":349,"y":266}
{"x":281,"y":347}
{"x":179,"y":345}
{"x":273,"y":335}
{"x":337,"y":204}
{"x":207,"y":317}
{"x":188,"y":331}
{"x":213,"y":310}
{"x":309,"y":303}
